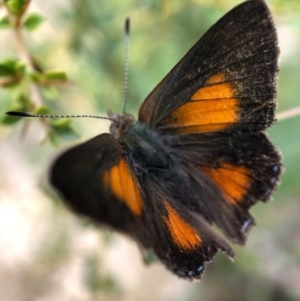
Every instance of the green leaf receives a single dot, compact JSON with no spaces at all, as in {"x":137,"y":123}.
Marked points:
{"x":49,"y":77}
{"x":65,"y":131}
{"x":12,"y":71}
{"x":61,"y":122}
{"x":7,"y":68}
{"x":6,"y":119}
{"x":12,"y":67}
{"x":50,"y":92}
{"x":5,"y":23}
{"x":42,"y":110}
{"x":33,"y":21}
{"x":15,"y":6}
{"x":20,"y":104}
{"x":36,"y":76}
{"x":54,"y":75}
{"x":20,"y":67}
{"x":54,"y":139}
{"x":149,"y":257}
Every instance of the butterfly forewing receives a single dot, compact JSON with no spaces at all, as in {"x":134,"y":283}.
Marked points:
{"x":226,"y":82}
{"x":96,"y":181}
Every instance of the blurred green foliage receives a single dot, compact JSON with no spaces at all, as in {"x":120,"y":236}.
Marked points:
{"x":77,"y":65}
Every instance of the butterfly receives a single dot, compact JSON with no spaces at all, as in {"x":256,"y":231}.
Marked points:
{"x":197,"y":156}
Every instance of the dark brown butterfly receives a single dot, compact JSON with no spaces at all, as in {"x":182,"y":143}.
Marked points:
{"x":196,"y":156}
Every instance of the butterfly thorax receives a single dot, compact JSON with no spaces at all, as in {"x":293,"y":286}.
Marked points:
{"x":142,"y":143}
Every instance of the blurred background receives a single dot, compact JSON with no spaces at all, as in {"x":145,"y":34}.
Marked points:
{"x":46,"y":252}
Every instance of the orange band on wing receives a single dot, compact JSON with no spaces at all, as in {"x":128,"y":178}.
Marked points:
{"x":233,"y":181}
{"x":217,"y":91}
{"x":216,"y":78}
{"x":211,"y":108}
{"x":184,"y":235}
{"x":124,"y":186}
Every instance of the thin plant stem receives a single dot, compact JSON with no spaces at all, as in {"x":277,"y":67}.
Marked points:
{"x":36,"y":97}
{"x":287,"y":114}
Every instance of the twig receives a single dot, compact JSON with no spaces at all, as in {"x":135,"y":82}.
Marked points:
{"x":36,"y":97}
{"x":288,"y":114}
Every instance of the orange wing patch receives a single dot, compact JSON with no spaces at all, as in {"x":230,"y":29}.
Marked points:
{"x":212,"y":108}
{"x":233,"y":181}
{"x":184,"y":235}
{"x":124,"y":186}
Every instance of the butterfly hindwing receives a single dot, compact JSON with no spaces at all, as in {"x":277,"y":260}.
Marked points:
{"x":226,"y":82}
{"x":182,"y":239}
{"x":232,"y":173}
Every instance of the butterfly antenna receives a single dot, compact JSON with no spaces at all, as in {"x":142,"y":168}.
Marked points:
{"x":23,"y":114}
{"x":127,"y":30}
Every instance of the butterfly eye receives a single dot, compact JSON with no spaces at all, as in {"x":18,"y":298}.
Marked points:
{"x":124,"y":127}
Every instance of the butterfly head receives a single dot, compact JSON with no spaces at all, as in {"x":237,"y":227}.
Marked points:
{"x":120,"y":123}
